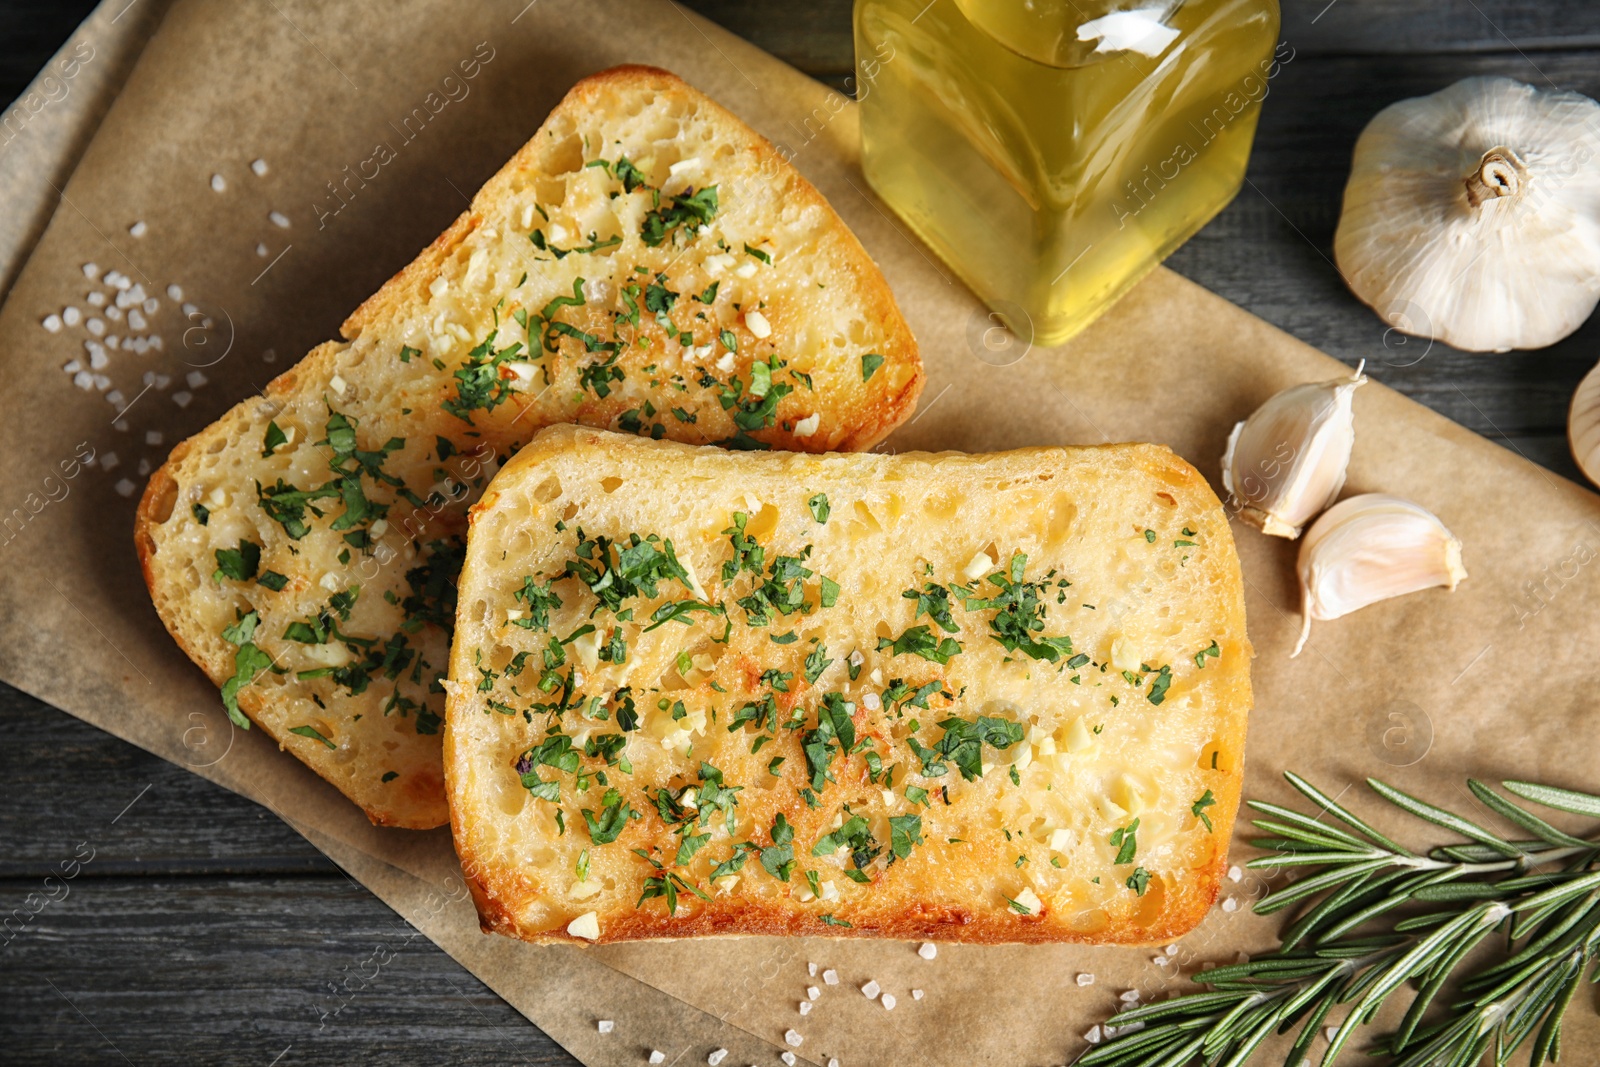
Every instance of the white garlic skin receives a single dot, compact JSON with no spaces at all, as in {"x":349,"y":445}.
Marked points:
{"x":1472,"y":216}
{"x":1583,"y":425}
{"x":1370,"y":548}
{"x":1287,"y":461}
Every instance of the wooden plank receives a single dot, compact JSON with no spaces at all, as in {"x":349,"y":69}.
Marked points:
{"x":246,"y":970}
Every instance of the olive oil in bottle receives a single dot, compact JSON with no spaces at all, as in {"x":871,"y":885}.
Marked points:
{"x":1053,"y":151}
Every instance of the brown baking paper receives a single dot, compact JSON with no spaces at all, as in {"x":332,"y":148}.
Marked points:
{"x":375,"y":125}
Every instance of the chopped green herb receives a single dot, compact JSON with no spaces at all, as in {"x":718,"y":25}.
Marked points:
{"x":869,"y":365}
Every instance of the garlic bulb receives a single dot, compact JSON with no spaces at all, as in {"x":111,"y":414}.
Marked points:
{"x":1583,"y":425}
{"x":1472,"y":216}
{"x":1370,"y":548}
{"x":1286,"y":462}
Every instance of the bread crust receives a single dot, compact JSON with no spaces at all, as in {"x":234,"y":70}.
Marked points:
{"x":174,"y":552}
{"x":528,"y":901}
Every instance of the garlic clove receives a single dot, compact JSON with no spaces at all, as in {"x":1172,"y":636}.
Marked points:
{"x":1287,"y":461}
{"x":1472,"y":216}
{"x":1583,"y":425}
{"x":1370,"y":548}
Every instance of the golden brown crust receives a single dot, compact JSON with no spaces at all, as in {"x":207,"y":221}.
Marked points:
{"x":924,"y":896}
{"x":175,"y":554}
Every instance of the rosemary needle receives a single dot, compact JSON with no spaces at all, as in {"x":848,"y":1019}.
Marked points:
{"x":1375,"y":916}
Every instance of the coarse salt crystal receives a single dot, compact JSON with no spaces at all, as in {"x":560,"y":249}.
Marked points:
{"x":1129,"y":997}
{"x":657,"y":1056}
{"x":605,"y":1026}
{"x":917,"y":994}
{"x":96,"y":299}
{"x":261,"y":250}
{"x":788,"y":1057}
{"x":52,"y":322}
{"x":151,"y":305}
{"x":833,"y":1061}
{"x":144,"y":464}
{"x":196,"y":379}
{"x":218,"y":183}
{"x":125,"y":487}
{"x":1086,"y":979}
{"x":114,"y":398}
{"x":98,"y":360}
{"x":811,"y":969}
{"x":72,"y":366}
{"x":71,"y":316}
{"x":813,"y":992}
{"x":101,"y":382}
{"x":871,"y":989}
{"x":121,"y":425}
{"x":805,"y":1007}
{"x":175,"y":292}
{"x":114,"y":313}
{"x":91,"y":271}
{"x":830,"y":976}
{"x":279,"y":219}
{"x":97,"y":327}
{"x":138,"y":229}
{"x":872,"y":702}
{"x":182,"y":398}
{"x":259,"y":166}
{"x":1329,"y":1033}
{"x":793,"y":1038}
{"x":1235,"y":873}
{"x":269,"y":356}
{"x":83,"y":380}
{"x":109,"y":461}
{"x":888,"y":1001}
{"x":1230,"y":904}
{"x":1093,"y":1036}
{"x":928,"y":950}
{"x":717,"y":1057}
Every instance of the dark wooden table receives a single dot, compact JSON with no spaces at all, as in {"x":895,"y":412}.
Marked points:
{"x":204,"y":930}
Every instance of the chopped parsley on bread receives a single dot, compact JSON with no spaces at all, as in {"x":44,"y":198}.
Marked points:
{"x":646,"y":263}
{"x":983,"y":698}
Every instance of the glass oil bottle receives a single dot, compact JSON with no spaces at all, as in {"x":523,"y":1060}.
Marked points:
{"x":1054,"y":151}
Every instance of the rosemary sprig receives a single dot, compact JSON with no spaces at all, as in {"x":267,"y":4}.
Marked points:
{"x":1375,"y":916}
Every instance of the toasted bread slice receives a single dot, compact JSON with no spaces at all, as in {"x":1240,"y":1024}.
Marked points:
{"x":979,"y":698}
{"x":646,"y":262}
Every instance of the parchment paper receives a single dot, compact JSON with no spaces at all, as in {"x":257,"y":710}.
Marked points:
{"x":1490,"y":681}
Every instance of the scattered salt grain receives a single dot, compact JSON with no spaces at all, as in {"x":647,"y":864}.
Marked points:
{"x":144,"y":464}
{"x":717,"y":1057}
{"x":109,"y":461}
{"x":833,"y":1061}
{"x":96,"y":327}
{"x":96,"y":299}
{"x":182,"y":398}
{"x":83,"y":380}
{"x":1086,"y":979}
{"x":138,"y":229}
{"x":174,"y":292}
{"x":72,"y":366}
{"x":871,"y":989}
{"x":99,"y":360}
{"x":218,"y":183}
{"x":917,"y":994}
{"x":269,"y":356}
{"x":788,"y":1057}
{"x":114,"y":313}
{"x":153,"y":437}
{"x":71,"y":316}
{"x":830,"y":976}
{"x":151,"y":305}
{"x":793,"y":1039}
{"x":136,"y":320}
{"x":261,"y":250}
{"x":888,"y":1001}
{"x":91,"y":271}
{"x":101,"y":382}
{"x":196,"y":380}
{"x":121,"y":425}
{"x":119,"y":281}
{"x":52,"y":322}
{"x":605,"y":1026}
{"x":1129,"y":997}
{"x":1093,"y":1036}
{"x":805,"y":1007}
{"x":1243,"y":957}
{"x":1230,"y":904}
{"x":657,"y":1056}
{"x":125,"y":487}
{"x":1329,"y":1033}
{"x":813,"y":992}
{"x":872,"y":702}
{"x":811,"y":969}
{"x":928,"y":950}
{"x":279,"y":219}
{"x":1235,"y":873}
{"x":259,"y":166}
